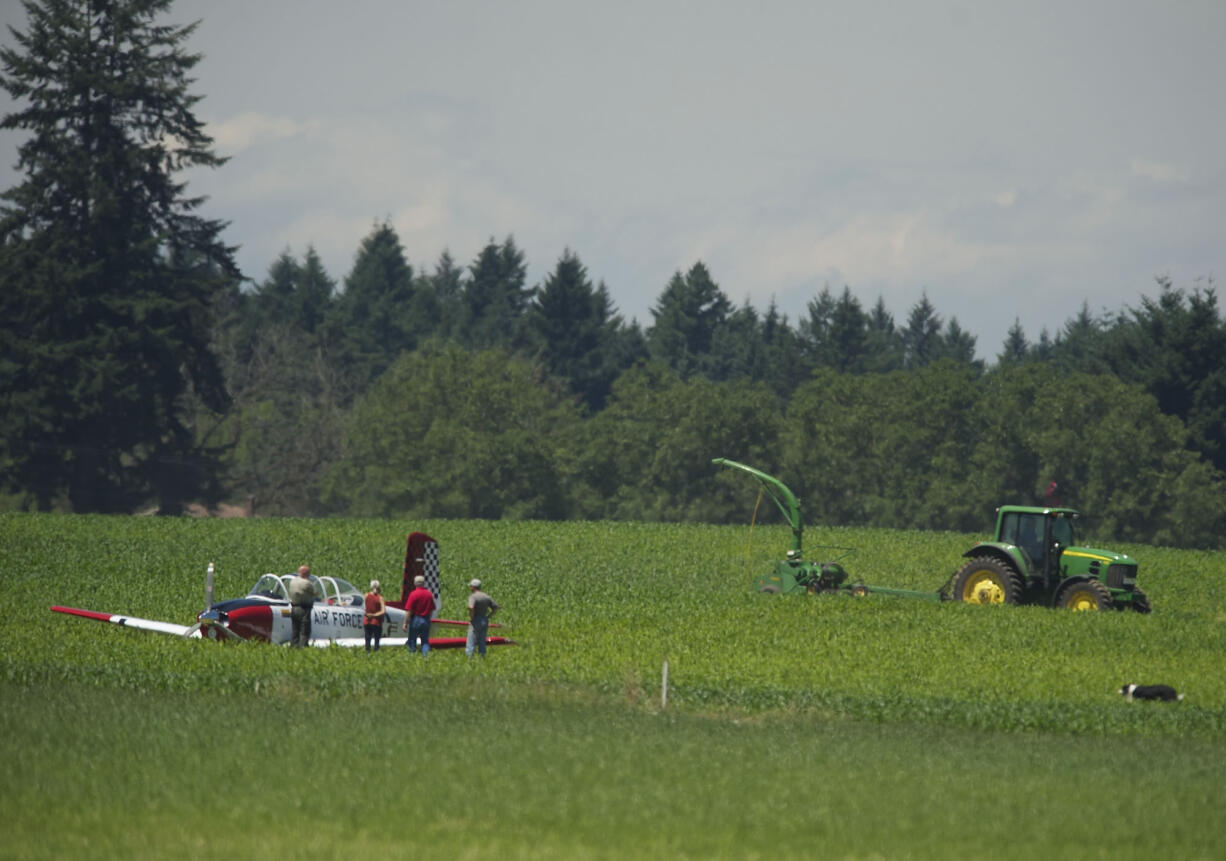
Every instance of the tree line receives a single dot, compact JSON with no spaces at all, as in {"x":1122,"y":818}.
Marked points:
{"x":138,"y":371}
{"x":563,"y":410}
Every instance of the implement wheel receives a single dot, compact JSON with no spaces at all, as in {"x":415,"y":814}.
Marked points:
{"x":1084,"y":595}
{"x":987,"y":580}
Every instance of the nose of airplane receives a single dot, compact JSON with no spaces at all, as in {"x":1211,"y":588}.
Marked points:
{"x":243,"y":622}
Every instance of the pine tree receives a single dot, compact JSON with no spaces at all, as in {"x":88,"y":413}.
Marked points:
{"x":884,"y":343}
{"x":575,"y":331}
{"x":108,"y":277}
{"x":1016,"y":348}
{"x":372,"y":322}
{"x":922,"y":337}
{"x":495,"y":299}
{"x":687,"y":315}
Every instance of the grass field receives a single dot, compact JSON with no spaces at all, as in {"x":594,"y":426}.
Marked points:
{"x":804,"y":727}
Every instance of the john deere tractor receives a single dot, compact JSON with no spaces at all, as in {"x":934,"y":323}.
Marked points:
{"x":1035,"y":559}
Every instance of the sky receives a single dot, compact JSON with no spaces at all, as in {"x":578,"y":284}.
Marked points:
{"x":1012,"y":161}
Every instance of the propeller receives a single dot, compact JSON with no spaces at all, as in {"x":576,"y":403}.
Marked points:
{"x":208,"y":602}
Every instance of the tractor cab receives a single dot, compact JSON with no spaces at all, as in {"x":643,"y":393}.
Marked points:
{"x":1040,"y":533}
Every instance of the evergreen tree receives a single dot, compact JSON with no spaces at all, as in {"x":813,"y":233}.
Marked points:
{"x":575,"y":330}
{"x":295,"y":295}
{"x":373,"y":320}
{"x":814,"y":329}
{"x":1080,"y":343}
{"x":921,"y":339}
{"x":849,"y":334}
{"x":108,"y":277}
{"x":1175,"y":346}
{"x":1016,"y":348}
{"x":445,"y":286}
{"x":760,"y":349}
{"x":1042,"y":350}
{"x":495,"y":299}
{"x":958,"y":344}
{"x":784,"y":366}
{"x":687,"y":315}
{"x":884,"y":344}
{"x":736,"y":347}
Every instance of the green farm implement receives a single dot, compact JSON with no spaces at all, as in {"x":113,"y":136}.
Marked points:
{"x":1033,"y":559}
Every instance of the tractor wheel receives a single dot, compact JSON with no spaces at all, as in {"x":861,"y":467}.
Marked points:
{"x":986,"y":580}
{"x":770,"y":588}
{"x":1085,"y":595}
{"x":1140,"y":601}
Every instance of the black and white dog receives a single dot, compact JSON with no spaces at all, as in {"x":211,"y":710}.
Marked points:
{"x":1166,"y":693}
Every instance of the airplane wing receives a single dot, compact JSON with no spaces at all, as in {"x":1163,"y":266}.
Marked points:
{"x":435,"y":642}
{"x":133,"y":622}
{"x":389,"y":642}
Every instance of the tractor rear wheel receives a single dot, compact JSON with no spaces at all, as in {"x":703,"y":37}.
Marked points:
{"x":1085,"y":595}
{"x":987,"y":580}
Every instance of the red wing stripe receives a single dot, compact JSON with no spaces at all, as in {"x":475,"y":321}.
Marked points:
{"x":458,"y":623}
{"x":86,"y":614}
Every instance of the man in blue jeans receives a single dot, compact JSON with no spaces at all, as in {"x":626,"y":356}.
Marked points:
{"x":481,"y":608}
{"x":419,"y":607}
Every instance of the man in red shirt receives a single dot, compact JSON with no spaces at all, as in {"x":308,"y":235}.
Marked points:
{"x":418,"y":609}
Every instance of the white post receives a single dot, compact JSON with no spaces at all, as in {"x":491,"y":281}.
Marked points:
{"x":664,"y":687}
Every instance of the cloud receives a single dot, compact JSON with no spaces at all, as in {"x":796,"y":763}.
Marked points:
{"x":238,"y":133}
{"x":1159,"y":171}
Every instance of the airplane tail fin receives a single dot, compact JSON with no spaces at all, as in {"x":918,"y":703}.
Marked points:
{"x":421,"y":559}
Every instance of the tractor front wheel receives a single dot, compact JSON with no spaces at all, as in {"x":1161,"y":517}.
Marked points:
{"x":987,"y":580}
{"x":1140,"y":601}
{"x":1085,"y":595}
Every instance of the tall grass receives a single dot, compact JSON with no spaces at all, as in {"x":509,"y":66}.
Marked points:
{"x":602,"y":605}
{"x":796,"y":727}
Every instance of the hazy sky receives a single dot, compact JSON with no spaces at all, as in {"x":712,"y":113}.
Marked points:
{"x":1011,"y":159}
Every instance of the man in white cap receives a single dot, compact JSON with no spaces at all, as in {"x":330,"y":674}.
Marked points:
{"x":418,"y":607}
{"x":481,"y":608}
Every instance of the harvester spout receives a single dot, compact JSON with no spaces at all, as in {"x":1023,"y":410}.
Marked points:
{"x":779,"y":492}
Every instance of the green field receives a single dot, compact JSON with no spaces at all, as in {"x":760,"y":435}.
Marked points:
{"x":795,"y":727}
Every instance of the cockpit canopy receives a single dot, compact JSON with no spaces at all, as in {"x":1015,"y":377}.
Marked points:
{"x":328,"y":590}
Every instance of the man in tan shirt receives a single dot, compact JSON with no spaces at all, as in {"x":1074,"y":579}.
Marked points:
{"x":301,"y":599}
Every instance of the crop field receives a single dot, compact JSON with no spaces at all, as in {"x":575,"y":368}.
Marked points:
{"x":798,"y":727}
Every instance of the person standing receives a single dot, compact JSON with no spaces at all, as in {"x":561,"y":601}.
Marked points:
{"x":376,"y":612}
{"x":481,"y":608}
{"x":301,"y":600}
{"x":418,"y":608}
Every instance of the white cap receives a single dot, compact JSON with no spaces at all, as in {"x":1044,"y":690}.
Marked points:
{"x":474,"y":584}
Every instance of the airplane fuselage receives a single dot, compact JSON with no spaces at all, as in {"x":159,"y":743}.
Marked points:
{"x":254,"y":618}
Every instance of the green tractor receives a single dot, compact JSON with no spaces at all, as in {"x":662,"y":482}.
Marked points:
{"x":1035,"y":559}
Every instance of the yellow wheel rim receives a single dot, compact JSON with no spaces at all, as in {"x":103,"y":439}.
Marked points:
{"x":982,"y":587}
{"x":1082,"y":599}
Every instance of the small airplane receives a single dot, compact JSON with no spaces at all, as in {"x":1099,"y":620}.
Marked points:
{"x":264,"y":614}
